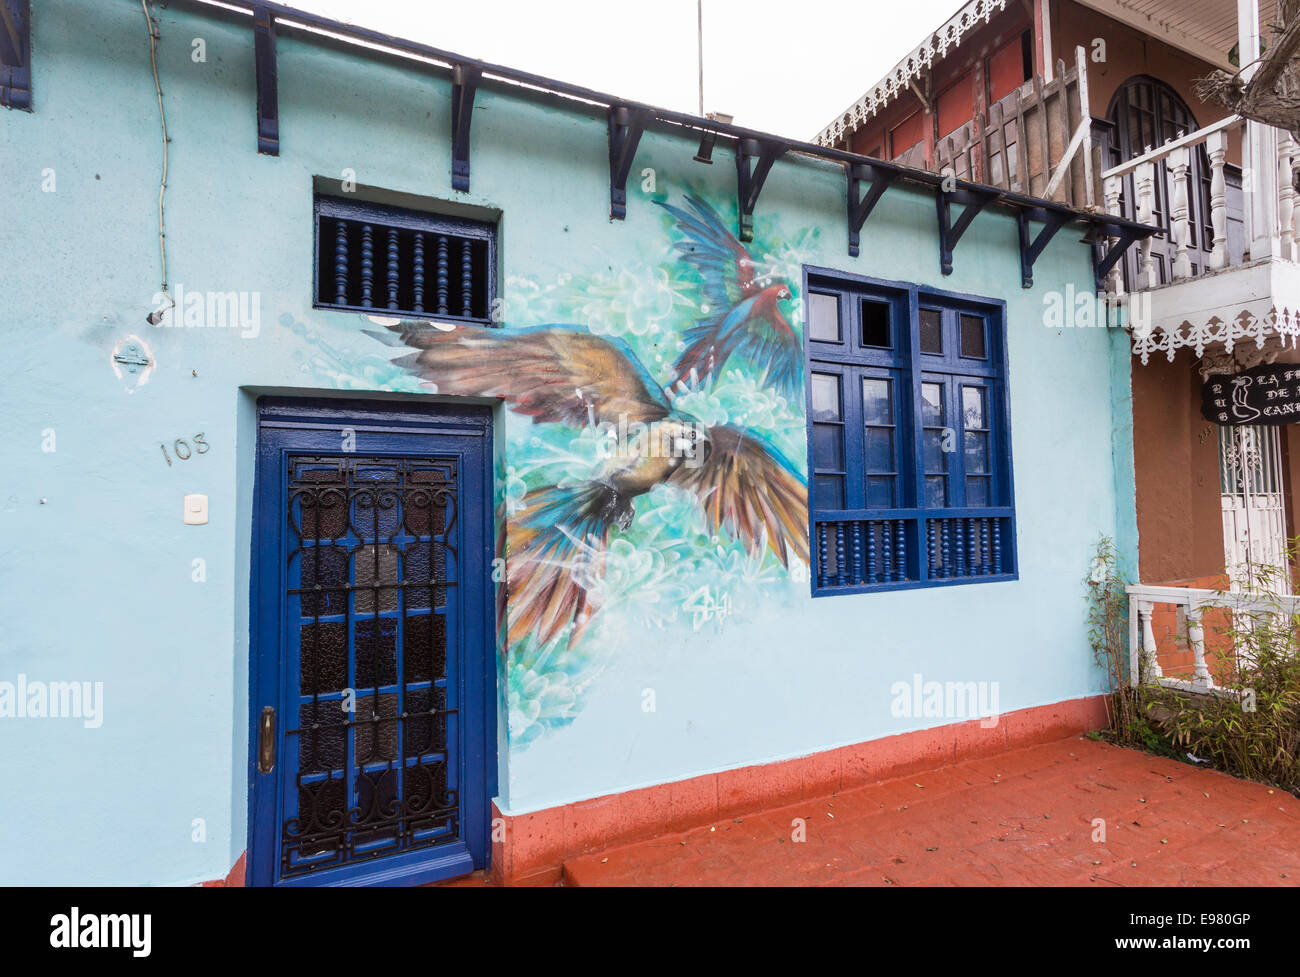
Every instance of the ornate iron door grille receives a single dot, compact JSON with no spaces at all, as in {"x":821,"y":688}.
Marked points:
{"x":1254,"y":505}
{"x":370,"y":763}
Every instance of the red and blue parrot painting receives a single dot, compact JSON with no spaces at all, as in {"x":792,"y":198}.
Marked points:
{"x":743,"y":314}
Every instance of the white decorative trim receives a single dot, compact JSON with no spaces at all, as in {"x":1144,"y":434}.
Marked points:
{"x":1283,"y":324}
{"x":910,"y":69}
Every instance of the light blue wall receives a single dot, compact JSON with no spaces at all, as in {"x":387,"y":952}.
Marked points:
{"x":97,"y":577}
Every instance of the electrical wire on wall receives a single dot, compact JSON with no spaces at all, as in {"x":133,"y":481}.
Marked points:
{"x":151,"y":22}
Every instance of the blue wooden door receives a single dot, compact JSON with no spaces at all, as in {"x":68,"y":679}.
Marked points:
{"x":372,"y":757}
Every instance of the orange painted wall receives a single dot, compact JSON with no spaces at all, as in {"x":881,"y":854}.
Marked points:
{"x":1006,"y":70}
{"x":1173,"y":648}
{"x":1128,"y":53}
{"x":1176,"y":462}
{"x":906,"y":135}
{"x":955,"y":105}
{"x":1291,"y":478}
{"x":1003,"y":29}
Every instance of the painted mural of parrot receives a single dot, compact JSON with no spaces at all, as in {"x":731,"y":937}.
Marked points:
{"x":562,"y":374}
{"x":744,"y":314}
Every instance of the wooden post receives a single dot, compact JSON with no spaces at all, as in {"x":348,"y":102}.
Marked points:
{"x":1286,"y":152}
{"x":1149,"y":660}
{"x":1113,"y":189}
{"x":1024,"y":176}
{"x":930,"y":120}
{"x":1044,"y":141}
{"x":1144,"y":181}
{"x":1196,"y":636}
{"x":1042,"y":39}
{"x":979,"y":115}
{"x":1180,"y":221}
{"x":1258,"y":149}
{"x":1085,"y":114}
{"x":1292,"y":177}
{"x":1217,"y":147}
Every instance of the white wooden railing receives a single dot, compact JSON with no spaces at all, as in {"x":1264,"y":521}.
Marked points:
{"x":1191,"y":604}
{"x":1278,"y":232}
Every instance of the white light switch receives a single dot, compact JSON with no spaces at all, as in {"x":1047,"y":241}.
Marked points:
{"x":196,"y":510}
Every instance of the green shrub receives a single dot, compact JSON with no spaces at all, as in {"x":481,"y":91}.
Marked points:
{"x":1249,"y":725}
{"x":1108,"y":636}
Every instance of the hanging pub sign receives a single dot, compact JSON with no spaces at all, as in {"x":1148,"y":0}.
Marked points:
{"x":1267,"y":394}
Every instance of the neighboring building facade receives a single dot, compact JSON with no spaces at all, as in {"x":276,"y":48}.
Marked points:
{"x":423,"y":500}
{"x":1215,"y":294}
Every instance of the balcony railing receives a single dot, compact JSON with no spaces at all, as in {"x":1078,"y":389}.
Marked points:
{"x":1168,"y":628}
{"x":1166,"y":174}
{"x":1215,"y":222}
{"x":1010,"y":145}
{"x":904,"y":548}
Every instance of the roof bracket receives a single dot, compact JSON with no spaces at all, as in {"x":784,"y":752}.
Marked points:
{"x":626,"y":124}
{"x":860,"y":207}
{"x":950,"y":231}
{"x":1105,"y":255}
{"x":268,"y":111}
{"x":464,"y":83}
{"x":754,"y":159}
{"x":1053,"y":221}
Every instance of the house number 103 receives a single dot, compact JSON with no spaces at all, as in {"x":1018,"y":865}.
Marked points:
{"x":182,"y":448}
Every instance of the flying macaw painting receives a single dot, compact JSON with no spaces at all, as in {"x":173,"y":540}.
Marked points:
{"x":655,"y":462}
{"x":558,"y":537}
{"x":744,"y":316}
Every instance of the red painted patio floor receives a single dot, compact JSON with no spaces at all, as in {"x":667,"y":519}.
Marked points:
{"x":1026,"y":817}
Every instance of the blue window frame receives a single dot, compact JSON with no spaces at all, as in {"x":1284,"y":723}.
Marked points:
{"x":15,"y":54}
{"x":390,"y":260}
{"x":909,"y":442}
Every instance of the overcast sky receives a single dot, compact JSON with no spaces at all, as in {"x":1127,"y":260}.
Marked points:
{"x":785,"y":67}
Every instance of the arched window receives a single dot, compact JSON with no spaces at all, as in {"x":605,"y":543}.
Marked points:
{"x":1145,"y":113}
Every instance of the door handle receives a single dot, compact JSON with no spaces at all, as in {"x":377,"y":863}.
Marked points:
{"x":266,"y":741}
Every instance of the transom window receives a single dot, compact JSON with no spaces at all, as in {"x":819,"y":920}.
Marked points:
{"x":909,"y":449}
{"x":391,"y":260}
